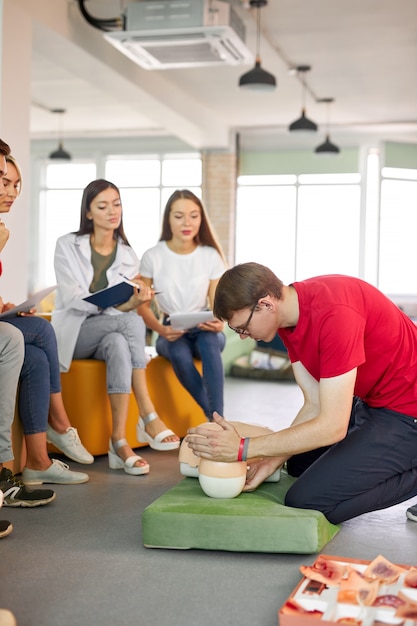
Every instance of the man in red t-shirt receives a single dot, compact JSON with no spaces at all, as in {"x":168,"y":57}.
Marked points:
{"x":353,"y":444}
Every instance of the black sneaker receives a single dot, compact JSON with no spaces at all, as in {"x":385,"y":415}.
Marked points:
{"x":412,"y":512}
{"x":5,"y":528}
{"x":16,"y":494}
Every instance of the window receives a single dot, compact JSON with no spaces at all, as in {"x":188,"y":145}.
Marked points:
{"x":299,"y":226}
{"x":327,"y":228}
{"x":398,"y":232}
{"x":145,"y":184}
{"x":266,"y":226}
{"x":59,"y":211}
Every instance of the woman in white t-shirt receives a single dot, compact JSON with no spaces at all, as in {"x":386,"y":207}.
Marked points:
{"x":185,"y":267}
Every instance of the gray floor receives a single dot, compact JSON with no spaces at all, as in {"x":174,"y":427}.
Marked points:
{"x":80,"y":561}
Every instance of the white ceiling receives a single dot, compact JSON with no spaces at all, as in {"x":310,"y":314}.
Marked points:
{"x":363,"y":53}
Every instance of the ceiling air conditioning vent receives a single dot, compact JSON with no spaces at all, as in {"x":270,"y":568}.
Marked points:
{"x":175,"y":34}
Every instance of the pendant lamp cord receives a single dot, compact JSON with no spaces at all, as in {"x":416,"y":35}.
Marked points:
{"x":303,"y":91}
{"x":328,"y":103}
{"x":60,"y":128}
{"x":258,"y":33}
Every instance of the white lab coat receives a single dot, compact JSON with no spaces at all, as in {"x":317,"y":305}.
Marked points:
{"x":74,"y":273}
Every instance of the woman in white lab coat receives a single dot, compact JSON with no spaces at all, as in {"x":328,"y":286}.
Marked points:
{"x":87,"y":261}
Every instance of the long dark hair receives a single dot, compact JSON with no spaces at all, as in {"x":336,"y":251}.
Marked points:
{"x":90,"y":192}
{"x":205,"y":235}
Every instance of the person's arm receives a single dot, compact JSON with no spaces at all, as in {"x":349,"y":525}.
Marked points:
{"x":323,"y":420}
{"x":151,"y":321}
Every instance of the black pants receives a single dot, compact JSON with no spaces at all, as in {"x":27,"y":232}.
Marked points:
{"x":373,"y":467}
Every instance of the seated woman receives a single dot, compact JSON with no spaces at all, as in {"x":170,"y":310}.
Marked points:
{"x":185,"y":266}
{"x":87,"y":261}
{"x":39,"y":397}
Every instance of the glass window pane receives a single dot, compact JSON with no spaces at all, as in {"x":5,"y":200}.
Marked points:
{"x":398,"y":235}
{"x":60,"y":215}
{"x":181,"y":173}
{"x":397,"y":172}
{"x":265,"y":228}
{"x":134,"y":172}
{"x":69,"y":175}
{"x":328,"y":230}
{"x":141,"y":217}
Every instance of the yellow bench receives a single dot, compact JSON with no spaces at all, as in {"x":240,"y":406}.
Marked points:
{"x":86,"y":401}
{"x":88,"y":407}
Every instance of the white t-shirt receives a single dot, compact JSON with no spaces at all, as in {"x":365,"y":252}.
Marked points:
{"x":183,"y":278}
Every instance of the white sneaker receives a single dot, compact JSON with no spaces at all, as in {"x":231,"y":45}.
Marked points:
{"x":70,"y":444}
{"x":58,"y":473}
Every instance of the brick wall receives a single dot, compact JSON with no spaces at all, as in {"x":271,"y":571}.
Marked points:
{"x":219,"y":197}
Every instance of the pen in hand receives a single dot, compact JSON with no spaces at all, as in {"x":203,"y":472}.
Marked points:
{"x":130,"y":280}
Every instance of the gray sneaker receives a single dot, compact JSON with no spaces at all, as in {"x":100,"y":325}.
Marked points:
{"x":58,"y":473}
{"x":412,"y":512}
{"x":70,"y":444}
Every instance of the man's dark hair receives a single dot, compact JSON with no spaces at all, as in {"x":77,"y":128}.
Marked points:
{"x":242,"y":286}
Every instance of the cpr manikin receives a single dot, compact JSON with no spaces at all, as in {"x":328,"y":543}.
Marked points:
{"x":221,"y":480}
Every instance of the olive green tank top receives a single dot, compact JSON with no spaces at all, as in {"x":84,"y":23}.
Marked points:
{"x":100,"y":265}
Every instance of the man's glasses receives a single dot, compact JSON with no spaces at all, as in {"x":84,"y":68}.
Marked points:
{"x":243,"y":330}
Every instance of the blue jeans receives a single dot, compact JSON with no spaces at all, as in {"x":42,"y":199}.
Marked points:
{"x":119,"y":340}
{"x":207,"y":390}
{"x":372,"y":468}
{"x":40,"y":375}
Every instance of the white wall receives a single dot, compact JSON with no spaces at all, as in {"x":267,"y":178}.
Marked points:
{"x":15,"y":67}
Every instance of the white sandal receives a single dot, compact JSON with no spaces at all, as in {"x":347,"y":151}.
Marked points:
{"x":157,"y":442}
{"x":115,"y":462}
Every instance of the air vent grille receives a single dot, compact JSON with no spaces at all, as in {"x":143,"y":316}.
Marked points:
{"x":207,"y":33}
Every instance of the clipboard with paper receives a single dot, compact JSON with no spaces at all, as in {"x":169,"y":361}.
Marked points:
{"x":29,"y":304}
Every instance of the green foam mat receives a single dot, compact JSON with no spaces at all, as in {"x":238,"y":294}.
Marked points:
{"x":185,"y":518}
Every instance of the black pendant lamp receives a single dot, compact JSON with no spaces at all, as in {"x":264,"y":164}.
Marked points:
{"x":60,"y":154}
{"x":327,"y":148}
{"x":258,"y":79}
{"x":303,"y":124}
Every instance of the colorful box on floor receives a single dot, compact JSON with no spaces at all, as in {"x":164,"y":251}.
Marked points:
{"x":360,"y":593}
{"x":185,"y":518}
